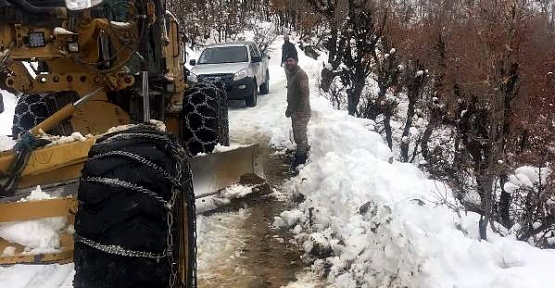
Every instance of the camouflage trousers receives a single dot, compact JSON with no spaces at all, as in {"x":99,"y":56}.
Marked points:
{"x":300,"y":123}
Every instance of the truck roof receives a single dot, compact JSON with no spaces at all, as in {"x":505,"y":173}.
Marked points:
{"x":241,"y":43}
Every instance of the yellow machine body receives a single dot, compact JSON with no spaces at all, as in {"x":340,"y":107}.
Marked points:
{"x":70,"y":52}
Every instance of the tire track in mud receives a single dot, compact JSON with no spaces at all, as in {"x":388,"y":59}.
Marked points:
{"x":265,"y":257}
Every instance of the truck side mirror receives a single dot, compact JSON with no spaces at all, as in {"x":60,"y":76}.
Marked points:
{"x":193,"y":62}
{"x":1,"y":103}
{"x":256,"y":59}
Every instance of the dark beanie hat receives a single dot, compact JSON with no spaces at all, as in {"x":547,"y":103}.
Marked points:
{"x":292,"y":57}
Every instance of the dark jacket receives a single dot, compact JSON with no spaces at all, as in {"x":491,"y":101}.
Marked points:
{"x":288,"y":50}
{"x":298,"y":93}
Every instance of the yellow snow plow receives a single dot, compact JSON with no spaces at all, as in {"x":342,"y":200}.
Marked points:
{"x":125,"y":192}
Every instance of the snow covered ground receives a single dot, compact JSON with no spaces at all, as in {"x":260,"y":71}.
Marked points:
{"x":367,"y":220}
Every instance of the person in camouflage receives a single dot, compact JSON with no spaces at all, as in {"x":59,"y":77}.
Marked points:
{"x":298,"y":108}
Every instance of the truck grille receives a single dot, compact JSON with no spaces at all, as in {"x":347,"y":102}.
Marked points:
{"x":226,"y":78}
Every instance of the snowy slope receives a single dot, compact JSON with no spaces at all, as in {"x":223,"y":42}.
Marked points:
{"x":379,"y":223}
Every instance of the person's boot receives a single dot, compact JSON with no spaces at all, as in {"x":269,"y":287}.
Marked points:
{"x":299,"y":159}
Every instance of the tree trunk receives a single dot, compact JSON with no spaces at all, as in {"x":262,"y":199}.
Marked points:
{"x":387,"y":127}
{"x":404,"y":140}
{"x":505,"y":203}
{"x":485,"y":190}
{"x":354,"y":93}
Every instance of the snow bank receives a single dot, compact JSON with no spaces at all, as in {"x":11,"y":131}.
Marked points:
{"x":374,"y":222}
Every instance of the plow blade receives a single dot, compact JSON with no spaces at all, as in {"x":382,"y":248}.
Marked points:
{"x":214,"y":172}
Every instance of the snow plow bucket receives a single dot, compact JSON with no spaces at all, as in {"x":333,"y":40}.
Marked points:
{"x":216,"y":171}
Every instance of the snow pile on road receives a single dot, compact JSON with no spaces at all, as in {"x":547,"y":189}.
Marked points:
{"x":36,"y":194}
{"x":375,"y":222}
{"x":37,"y":236}
{"x":222,"y":198}
{"x":37,"y":276}
{"x":220,"y":238}
{"x":306,"y":279}
{"x":6,"y":143}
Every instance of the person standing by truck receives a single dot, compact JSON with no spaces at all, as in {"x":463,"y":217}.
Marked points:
{"x":298,"y":108}
{"x":288,"y":50}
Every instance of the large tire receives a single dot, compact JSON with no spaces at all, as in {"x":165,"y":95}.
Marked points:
{"x":127,"y":220}
{"x":205,"y":120}
{"x":252,"y":99}
{"x":265,"y":87}
{"x":30,"y":110}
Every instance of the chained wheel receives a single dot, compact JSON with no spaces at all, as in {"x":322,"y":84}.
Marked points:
{"x":135,"y":225}
{"x":224,"y":114}
{"x":30,"y":110}
{"x":205,"y":118}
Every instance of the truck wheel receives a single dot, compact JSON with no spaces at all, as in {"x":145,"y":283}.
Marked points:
{"x":252,"y":99}
{"x":30,"y":110}
{"x":205,"y":119}
{"x":131,"y":216}
{"x":265,"y":87}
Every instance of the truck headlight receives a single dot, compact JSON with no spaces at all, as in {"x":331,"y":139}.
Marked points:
{"x":243,"y":73}
{"x":193,"y":77}
{"x":82,"y":4}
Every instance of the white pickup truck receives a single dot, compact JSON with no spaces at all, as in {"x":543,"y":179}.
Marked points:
{"x":241,"y":66}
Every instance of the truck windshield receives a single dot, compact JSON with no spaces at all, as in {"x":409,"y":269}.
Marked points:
{"x":226,"y":54}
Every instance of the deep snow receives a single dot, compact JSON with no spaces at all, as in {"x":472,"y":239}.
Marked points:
{"x":375,"y":222}
{"x":368,"y":220}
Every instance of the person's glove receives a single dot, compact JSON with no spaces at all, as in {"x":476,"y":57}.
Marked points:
{"x":287,"y":113}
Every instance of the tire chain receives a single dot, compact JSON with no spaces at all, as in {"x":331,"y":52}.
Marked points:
{"x":224,"y":113}
{"x":202,"y":98}
{"x":30,"y":110}
{"x":178,"y":155}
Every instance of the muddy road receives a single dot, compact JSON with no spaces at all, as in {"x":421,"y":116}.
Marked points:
{"x":248,"y":252}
